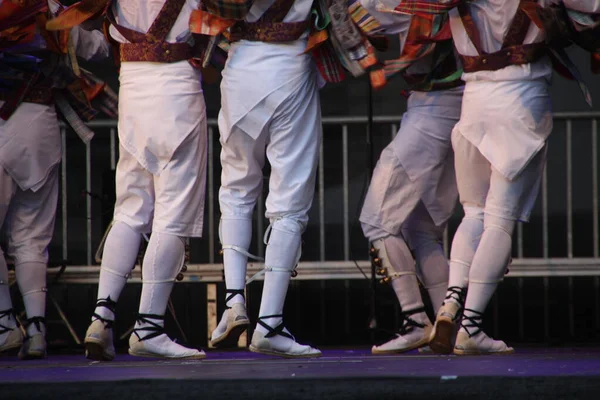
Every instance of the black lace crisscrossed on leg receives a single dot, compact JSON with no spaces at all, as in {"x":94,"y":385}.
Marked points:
{"x":231,"y":294}
{"x":408,"y":324}
{"x":278,"y":330}
{"x":7,"y":313}
{"x":106,"y":303}
{"x":154,"y":329}
{"x":472,"y":322}
{"x":37,"y":321}
{"x":457,"y":293}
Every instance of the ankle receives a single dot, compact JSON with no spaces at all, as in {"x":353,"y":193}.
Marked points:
{"x":103,"y":314}
{"x":105,"y":310}
{"x":36,"y":326}
{"x":148,"y":326}
{"x":234,"y":296}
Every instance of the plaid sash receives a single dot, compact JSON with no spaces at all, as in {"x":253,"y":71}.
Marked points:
{"x":338,"y":40}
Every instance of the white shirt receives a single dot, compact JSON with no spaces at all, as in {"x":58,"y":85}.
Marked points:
{"x":139,"y":15}
{"x":258,"y":76}
{"x":299,"y":12}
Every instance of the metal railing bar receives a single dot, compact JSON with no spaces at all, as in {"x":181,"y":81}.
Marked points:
{"x":211,"y":196}
{"x":346,"y":192}
{"x":569,"y":189}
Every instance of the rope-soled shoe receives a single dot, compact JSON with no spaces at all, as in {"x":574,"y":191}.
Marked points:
{"x":155,"y":346}
{"x":34,"y":346}
{"x":473,"y":341}
{"x":14,"y":338}
{"x":98,"y":340}
{"x":412,"y":335}
{"x":263,"y":343}
{"x":444,"y":330}
{"x":233,"y":323}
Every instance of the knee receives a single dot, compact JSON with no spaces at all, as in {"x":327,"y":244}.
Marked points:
{"x":288,"y":224}
{"x":27,"y":254}
{"x":473,"y":212}
{"x":502,"y":224}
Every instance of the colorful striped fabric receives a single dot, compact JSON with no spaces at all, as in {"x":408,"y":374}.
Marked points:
{"x":206,"y":23}
{"x":362,"y":18}
{"x":77,"y":14}
{"x":417,"y":45}
{"x":426,"y":7}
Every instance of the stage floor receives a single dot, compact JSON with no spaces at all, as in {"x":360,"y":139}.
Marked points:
{"x":540,"y":373}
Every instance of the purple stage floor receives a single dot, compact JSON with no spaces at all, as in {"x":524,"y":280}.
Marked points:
{"x":548,"y":367}
{"x":334,"y":364}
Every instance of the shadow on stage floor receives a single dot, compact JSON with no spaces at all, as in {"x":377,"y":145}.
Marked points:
{"x":567,"y":373}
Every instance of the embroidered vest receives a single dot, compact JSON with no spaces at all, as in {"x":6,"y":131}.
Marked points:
{"x":270,"y":26}
{"x":152,"y":46}
{"x":513,"y":51}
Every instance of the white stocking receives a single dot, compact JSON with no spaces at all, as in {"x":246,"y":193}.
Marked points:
{"x":236,"y":235}
{"x":489,"y":265}
{"x":118,"y":259}
{"x":281,"y":257}
{"x":424,"y":239}
{"x":403,"y":274}
{"x":31,"y":278}
{"x":162,"y":262}
{"x":464,"y":245}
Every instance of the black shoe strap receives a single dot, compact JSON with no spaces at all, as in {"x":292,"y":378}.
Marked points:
{"x":231,"y":294}
{"x":472,"y":324}
{"x":457,"y":294}
{"x":7,"y":313}
{"x":37,"y":321}
{"x":155,"y":329}
{"x":106,"y":303}
{"x":278,"y":330}
{"x":408,"y":324}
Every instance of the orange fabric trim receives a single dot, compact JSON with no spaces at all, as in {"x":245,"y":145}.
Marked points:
{"x":204,"y":23}
{"x":77,"y":14}
{"x":315,"y":39}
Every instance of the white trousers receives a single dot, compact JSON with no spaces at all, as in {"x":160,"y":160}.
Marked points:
{"x":483,"y":186}
{"x":27,"y":218}
{"x":416,"y":167}
{"x":171,"y":202}
{"x":290,"y":139}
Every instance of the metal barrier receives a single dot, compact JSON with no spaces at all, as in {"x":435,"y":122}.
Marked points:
{"x":322,"y":267}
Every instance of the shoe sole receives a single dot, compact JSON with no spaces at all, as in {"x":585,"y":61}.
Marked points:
{"x":482,"y":353}
{"x":11,"y":350}
{"x":282,"y":354}
{"x":231,"y":336}
{"x":416,"y":345}
{"x":154,"y":355}
{"x":33,"y":355}
{"x":95,"y":351}
{"x":441,"y":342}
